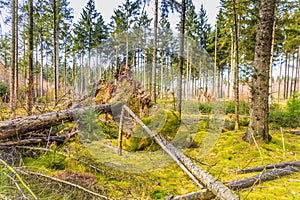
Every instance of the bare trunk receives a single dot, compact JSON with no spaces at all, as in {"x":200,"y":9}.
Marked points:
{"x":259,"y":108}
{"x":30,"y":60}
{"x":153,"y":85}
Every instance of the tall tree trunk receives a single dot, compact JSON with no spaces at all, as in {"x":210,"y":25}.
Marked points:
{"x":16,"y":43}
{"x":42,"y":66}
{"x":153,"y":85}
{"x":181,"y":58}
{"x":55,"y":53}
{"x":259,"y":106}
{"x":285,"y":75}
{"x":271,"y":62}
{"x":13,"y":60}
{"x":298,"y":71}
{"x":236,"y":71}
{"x":292,"y":75}
{"x":215,"y":63}
{"x":30,"y":60}
{"x":288,"y":77}
{"x":279,"y":81}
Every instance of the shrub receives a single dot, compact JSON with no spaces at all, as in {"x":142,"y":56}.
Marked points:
{"x":243,"y":107}
{"x":3,"y":92}
{"x":205,"y":108}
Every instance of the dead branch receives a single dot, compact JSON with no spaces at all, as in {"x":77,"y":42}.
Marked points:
{"x":271,"y":166}
{"x":18,"y":177}
{"x":67,"y":183}
{"x":266,"y":176}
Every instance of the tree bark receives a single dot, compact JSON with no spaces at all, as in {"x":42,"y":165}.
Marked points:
{"x":272,"y":166}
{"x":19,"y":126}
{"x":13,"y":60}
{"x":181,"y":59}
{"x":30,"y":60}
{"x":266,"y":176}
{"x":153,"y":85}
{"x":259,"y":106}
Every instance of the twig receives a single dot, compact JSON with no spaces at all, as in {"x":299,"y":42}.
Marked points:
{"x":283,"y":145}
{"x":68,"y":183}
{"x":17,"y":185}
{"x":262,"y":159}
{"x":19,"y":177}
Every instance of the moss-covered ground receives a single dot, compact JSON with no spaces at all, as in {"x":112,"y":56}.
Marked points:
{"x":123,"y":176}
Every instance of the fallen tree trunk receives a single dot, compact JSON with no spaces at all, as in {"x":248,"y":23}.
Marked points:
{"x":272,"y":166}
{"x":21,"y":126}
{"x":202,"y":194}
{"x":35,"y":140}
{"x":212,"y":184}
{"x":266,"y":176}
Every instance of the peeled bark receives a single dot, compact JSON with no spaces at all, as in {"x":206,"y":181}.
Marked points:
{"x":18,"y":126}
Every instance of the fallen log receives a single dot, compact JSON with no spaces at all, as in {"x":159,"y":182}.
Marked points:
{"x":19,"y":126}
{"x":193,"y":170}
{"x":295,"y":132}
{"x":202,"y":194}
{"x":266,"y":176}
{"x":271,"y":166}
{"x":58,"y":138}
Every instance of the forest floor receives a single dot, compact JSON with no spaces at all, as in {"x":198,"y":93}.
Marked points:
{"x":146,"y":175}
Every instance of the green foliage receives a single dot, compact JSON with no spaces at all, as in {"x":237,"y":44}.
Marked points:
{"x":48,"y":160}
{"x":205,"y":108}
{"x":293,"y":104}
{"x":289,"y":117}
{"x":3,"y":91}
{"x":243,"y":107}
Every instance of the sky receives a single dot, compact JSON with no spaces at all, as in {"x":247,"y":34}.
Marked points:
{"x":106,"y":7}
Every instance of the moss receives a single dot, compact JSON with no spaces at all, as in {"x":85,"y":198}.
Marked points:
{"x":163,"y":122}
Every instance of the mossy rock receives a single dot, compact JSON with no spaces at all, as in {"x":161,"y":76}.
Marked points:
{"x":163,"y":122}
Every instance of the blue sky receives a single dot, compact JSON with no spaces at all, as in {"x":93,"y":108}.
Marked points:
{"x":106,"y":7}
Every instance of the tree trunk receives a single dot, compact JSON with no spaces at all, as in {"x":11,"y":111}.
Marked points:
{"x":259,"y":107}
{"x":271,"y":62}
{"x":19,"y":126}
{"x":13,"y":60}
{"x":181,"y":59}
{"x":16,"y":68}
{"x":55,"y":53}
{"x":30,"y":60}
{"x":236,"y":71}
{"x":153,"y":85}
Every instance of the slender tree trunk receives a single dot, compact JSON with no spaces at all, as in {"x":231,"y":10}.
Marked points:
{"x":181,"y":58}
{"x":298,"y":74}
{"x":13,"y":60}
{"x":292,"y":75}
{"x":271,"y":62}
{"x":285,"y":75}
{"x":153,"y":85}
{"x":232,"y":70}
{"x":236,"y":71}
{"x":30,"y":60}
{"x":215,"y":63}
{"x":279,"y":81}
{"x":16,"y":43}
{"x":42,"y":66}
{"x":288,"y":77}
{"x":55,"y":53}
{"x":259,"y":107}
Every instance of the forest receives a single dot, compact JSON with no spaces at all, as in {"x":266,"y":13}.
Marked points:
{"x":154,"y":103}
